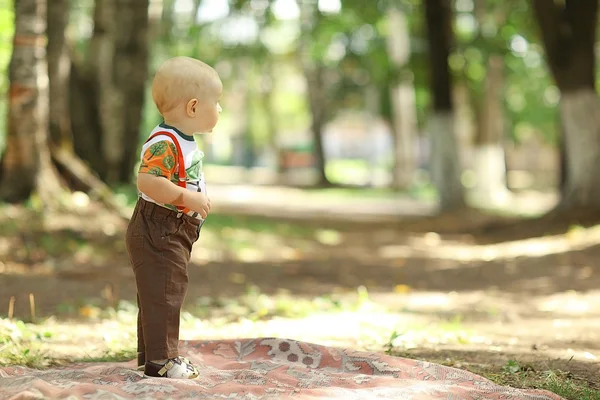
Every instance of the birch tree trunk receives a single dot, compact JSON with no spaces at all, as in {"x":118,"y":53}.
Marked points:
{"x":444,"y":161}
{"x":26,"y":167}
{"x":489,"y":161}
{"x":568,"y":33}
{"x":404,"y":120}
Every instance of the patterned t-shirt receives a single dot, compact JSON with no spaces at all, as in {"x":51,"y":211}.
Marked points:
{"x":159,"y":157}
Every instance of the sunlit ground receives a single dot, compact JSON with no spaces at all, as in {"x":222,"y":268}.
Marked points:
{"x":563,"y":326}
{"x":372,"y":286}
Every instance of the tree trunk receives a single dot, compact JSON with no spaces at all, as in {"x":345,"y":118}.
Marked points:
{"x":580,"y":113}
{"x":112,"y":82}
{"x":244,"y":143}
{"x":101,"y":61}
{"x":267,"y":87}
{"x":59,"y":69}
{"x":569,"y":33}
{"x":316,"y":98}
{"x":489,"y":160}
{"x":26,"y":166}
{"x":132,"y":72}
{"x":85,"y":120}
{"x":373,"y":111}
{"x":404,"y":115}
{"x":314,"y":74}
{"x":444,"y":161}
{"x":562,"y":158}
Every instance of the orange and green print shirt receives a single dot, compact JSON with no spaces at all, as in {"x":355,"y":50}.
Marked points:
{"x":159,"y":157}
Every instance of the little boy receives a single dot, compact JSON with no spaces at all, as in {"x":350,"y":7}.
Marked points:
{"x":170,"y":210}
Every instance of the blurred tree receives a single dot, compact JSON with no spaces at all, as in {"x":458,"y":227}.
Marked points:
{"x":568,"y":31}
{"x":404,"y":119}
{"x":26,"y":167}
{"x":59,"y":68}
{"x":444,"y":161}
{"x":314,"y":72}
{"x":108,"y":89}
{"x":267,"y":87}
{"x":489,"y":159}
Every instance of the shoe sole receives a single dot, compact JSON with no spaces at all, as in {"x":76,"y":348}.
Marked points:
{"x":141,"y":367}
{"x":159,"y":377}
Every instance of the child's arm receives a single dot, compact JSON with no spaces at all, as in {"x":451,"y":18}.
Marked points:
{"x":160,"y":189}
{"x":154,"y":179}
{"x":164,"y":191}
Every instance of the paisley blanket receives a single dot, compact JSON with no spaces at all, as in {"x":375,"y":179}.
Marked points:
{"x":264,"y":368}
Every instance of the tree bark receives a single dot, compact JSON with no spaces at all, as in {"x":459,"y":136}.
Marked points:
{"x":316,"y":98}
{"x":489,"y":159}
{"x":267,"y":87}
{"x":568,"y":33}
{"x":562,"y":158}
{"x":131,"y":75}
{"x":373,"y":110}
{"x":85,"y":119}
{"x":26,"y":167}
{"x":580,"y":113}
{"x":314,"y":75}
{"x":444,"y":161}
{"x":101,"y":61}
{"x":404,"y":115}
{"x":59,"y":68}
{"x":112,"y":81}
{"x":488,"y":153}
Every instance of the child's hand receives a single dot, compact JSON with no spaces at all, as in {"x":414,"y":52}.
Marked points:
{"x":198,"y":202}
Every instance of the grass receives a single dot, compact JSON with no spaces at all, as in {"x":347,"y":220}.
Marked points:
{"x":255,"y":306}
{"x":21,"y":344}
{"x":559,"y":382}
{"x":523,"y":376}
{"x":121,"y":355}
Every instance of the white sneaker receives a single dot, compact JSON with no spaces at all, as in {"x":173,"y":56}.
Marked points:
{"x":142,"y":362}
{"x":174,"y":368}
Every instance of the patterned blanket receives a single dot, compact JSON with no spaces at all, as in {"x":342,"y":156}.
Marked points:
{"x":264,"y":368}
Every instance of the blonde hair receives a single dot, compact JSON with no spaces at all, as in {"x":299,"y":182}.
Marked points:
{"x":181,"y":79}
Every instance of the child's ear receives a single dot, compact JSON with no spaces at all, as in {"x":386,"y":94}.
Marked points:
{"x":191,"y":108}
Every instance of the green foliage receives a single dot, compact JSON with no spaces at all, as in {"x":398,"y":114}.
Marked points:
{"x":20,"y":344}
{"x":6,"y":36}
{"x":351,"y":45}
{"x":506,"y":29}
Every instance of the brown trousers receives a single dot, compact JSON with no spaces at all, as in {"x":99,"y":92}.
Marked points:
{"x":159,"y":243}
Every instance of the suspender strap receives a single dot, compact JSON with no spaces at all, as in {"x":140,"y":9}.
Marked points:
{"x":182,"y":182}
